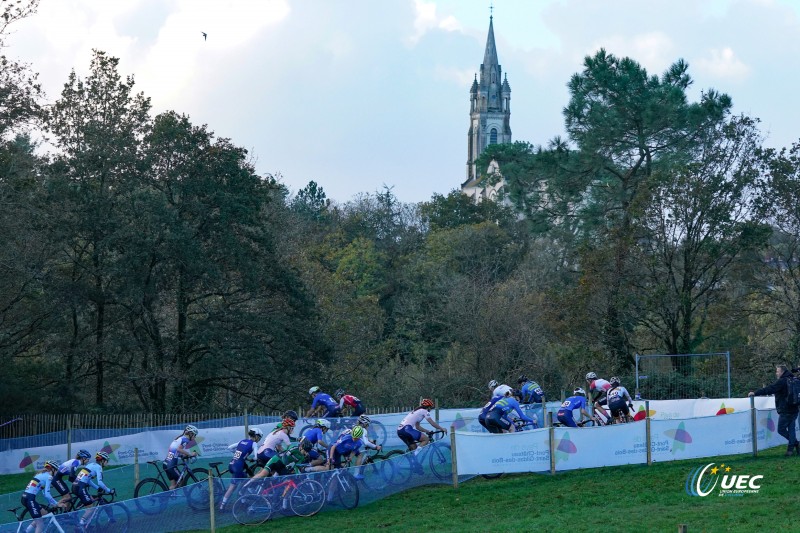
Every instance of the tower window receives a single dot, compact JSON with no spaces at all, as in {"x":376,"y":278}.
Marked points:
{"x":493,"y":136}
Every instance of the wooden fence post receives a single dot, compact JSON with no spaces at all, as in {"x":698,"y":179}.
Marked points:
{"x":69,"y":436}
{"x":648,"y":434}
{"x":544,"y":412}
{"x":246,"y":420}
{"x":453,"y":456}
{"x":754,"y":425}
{"x":436,"y":406}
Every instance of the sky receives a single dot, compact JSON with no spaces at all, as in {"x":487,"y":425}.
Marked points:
{"x":358,"y":95}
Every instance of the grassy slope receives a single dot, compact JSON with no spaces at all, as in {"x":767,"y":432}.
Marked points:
{"x":646,"y":499}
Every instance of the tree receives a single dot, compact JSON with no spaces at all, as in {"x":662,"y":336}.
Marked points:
{"x":19,"y":91}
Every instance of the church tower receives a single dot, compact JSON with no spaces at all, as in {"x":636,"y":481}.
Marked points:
{"x":489,"y":116}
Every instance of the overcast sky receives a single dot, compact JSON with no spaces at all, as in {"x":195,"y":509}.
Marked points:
{"x":355,"y":94}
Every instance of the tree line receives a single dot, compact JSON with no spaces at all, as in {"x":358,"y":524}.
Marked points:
{"x":146,"y":266}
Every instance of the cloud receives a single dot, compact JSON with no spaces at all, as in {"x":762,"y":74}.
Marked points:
{"x":654,"y":50}
{"x":462,"y":77}
{"x":724,"y":64}
{"x":426,"y":20}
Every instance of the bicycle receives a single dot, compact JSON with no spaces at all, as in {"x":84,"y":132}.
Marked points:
{"x":147,"y":490}
{"x":112,"y":518}
{"x":342,"y":487}
{"x":436,"y":453}
{"x":49,"y":518}
{"x":376,"y":431}
{"x":377,"y":470}
{"x":304,"y":498}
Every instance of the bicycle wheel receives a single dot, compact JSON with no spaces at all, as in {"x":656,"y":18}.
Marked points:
{"x":110,"y":517}
{"x":398,"y":467}
{"x":377,"y":432}
{"x":439,"y":460}
{"x":197,"y":496}
{"x":252,"y":509}
{"x":197,"y":475}
{"x":149,"y":496}
{"x":492,"y":476}
{"x":345,"y":489}
{"x":376,"y":473}
{"x":308,"y":498}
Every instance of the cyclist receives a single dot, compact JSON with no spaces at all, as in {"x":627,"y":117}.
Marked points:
{"x":290,"y":461}
{"x":350,"y":401}
{"x":488,"y":407}
{"x":576,"y":401}
{"x":493,"y":384}
{"x":237,"y":466}
{"x":178,"y":449}
{"x":315,"y":436}
{"x":497,"y":420}
{"x":40,"y":483}
{"x":68,"y":468}
{"x":617,"y":397}
{"x":322,"y":402}
{"x":364,"y":422}
{"x":531,"y":391}
{"x":346,"y":446}
{"x":598,"y":389}
{"x":410,"y":429}
{"x":90,"y":475}
{"x":276,"y":442}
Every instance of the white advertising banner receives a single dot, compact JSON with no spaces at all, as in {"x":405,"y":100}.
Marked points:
{"x":592,"y":447}
{"x":673,"y":440}
{"x":484,"y":453}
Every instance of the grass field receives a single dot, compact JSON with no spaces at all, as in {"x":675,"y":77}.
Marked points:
{"x":629,"y":498}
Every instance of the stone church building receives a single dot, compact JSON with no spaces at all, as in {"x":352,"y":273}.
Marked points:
{"x":489,"y":119}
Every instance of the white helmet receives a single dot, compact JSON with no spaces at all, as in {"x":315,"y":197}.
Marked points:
{"x":256,"y":432}
{"x":493,"y":384}
{"x":580,"y":391}
{"x":191,"y":429}
{"x":321,"y":422}
{"x":590,"y":376}
{"x":312,"y":390}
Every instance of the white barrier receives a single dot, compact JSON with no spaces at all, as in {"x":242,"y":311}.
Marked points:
{"x":214,"y":442}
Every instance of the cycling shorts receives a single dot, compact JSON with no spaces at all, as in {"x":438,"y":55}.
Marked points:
{"x":602,"y":399}
{"x":496,"y":422}
{"x":30,"y":503}
{"x":359,"y":409}
{"x":171,"y":469}
{"x":409,"y":435}
{"x":313,"y":455}
{"x":265,"y":456}
{"x":617,"y":406}
{"x":531,"y":397}
{"x":81,"y":490}
{"x":237,"y":470}
{"x":332,"y":412}
{"x":482,"y":421}
{"x":60,"y":485}
{"x":566,"y":418}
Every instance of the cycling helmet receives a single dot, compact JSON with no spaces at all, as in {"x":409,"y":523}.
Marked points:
{"x":191,"y":429}
{"x":287,"y":423}
{"x":427,"y":403}
{"x":522,"y":379}
{"x":364,"y":420}
{"x":52,"y":465}
{"x":614,"y":380}
{"x":84,"y":454}
{"x":101,"y":456}
{"x":590,"y":376}
{"x":357,"y":432}
{"x":516,"y":393}
{"x":312,"y":390}
{"x":255,"y":432}
{"x":579,"y":391}
{"x":339,"y":393}
{"x":291,"y":414}
{"x":492,"y":384}
{"x":306,"y":445}
{"x":322,"y":423}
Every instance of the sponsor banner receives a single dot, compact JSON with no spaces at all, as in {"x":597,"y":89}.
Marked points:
{"x":619,"y":444}
{"x":701,"y":437}
{"x":524,"y":451}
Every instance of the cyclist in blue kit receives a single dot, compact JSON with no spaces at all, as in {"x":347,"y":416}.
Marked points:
{"x":40,"y":483}
{"x":315,"y":436}
{"x":69,"y":469}
{"x":177,"y":449}
{"x":90,"y":475}
{"x":322,"y":402}
{"x":497,"y":419}
{"x":347,"y":445}
{"x":530,"y":390}
{"x":237,"y":467}
{"x":574,"y":402}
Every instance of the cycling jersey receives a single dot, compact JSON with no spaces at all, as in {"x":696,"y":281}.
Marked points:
{"x":41,"y":483}
{"x":599,"y":387}
{"x":243,"y":449}
{"x":330,"y":404}
{"x":286,"y":462}
{"x":314,"y":436}
{"x":271,"y":443}
{"x":531,"y":392}
{"x":486,"y":409}
{"x":505,"y":405}
{"x":618,"y":393}
{"x":565,"y":412}
{"x":367,"y":443}
{"x":414,"y":417}
{"x":67,"y":469}
{"x":170,"y":463}
{"x":89,"y":475}
{"x":345,"y":445}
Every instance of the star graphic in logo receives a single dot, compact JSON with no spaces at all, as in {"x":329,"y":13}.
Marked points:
{"x":725,"y":410}
{"x":28,"y":462}
{"x":563,"y":448}
{"x":714,"y":470}
{"x":680,"y":437}
{"x":110,"y":449}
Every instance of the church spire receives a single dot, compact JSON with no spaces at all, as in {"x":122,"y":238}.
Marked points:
{"x":490,"y":55}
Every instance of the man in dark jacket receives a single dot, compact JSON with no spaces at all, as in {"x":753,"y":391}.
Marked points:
{"x":787,"y":414}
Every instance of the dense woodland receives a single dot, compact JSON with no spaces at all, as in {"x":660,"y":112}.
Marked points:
{"x":146,"y":266}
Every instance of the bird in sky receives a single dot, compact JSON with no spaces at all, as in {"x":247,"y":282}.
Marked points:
{"x":205,"y":35}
